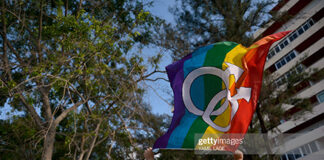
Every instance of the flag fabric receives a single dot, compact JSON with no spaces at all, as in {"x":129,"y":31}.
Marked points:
{"x":216,"y":89}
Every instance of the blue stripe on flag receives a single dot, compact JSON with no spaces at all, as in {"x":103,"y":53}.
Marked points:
{"x":197,"y":94}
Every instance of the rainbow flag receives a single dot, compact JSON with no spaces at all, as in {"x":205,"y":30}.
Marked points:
{"x":216,"y":89}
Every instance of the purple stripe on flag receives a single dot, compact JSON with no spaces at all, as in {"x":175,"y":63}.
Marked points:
{"x":176,"y":78}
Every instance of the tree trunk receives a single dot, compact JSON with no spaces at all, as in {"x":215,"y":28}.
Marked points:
{"x":264,"y":130}
{"x":49,"y":143}
{"x":261,"y":121}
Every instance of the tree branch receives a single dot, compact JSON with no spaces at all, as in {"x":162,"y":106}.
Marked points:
{"x":40,"y":28}
{"x":32,"y":111}
{"x":14,"y":51}
{"x":28,"y":29}
{"x":4,"y":37}
{"x":94,"y":139}
{"x":160,"y":78}
{"x":148,"y":75}
{"x":65,"y":112}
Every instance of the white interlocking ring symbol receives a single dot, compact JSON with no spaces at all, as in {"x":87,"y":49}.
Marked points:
{"x":242,"y":92}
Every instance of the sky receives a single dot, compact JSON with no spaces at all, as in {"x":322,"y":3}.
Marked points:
{"x":159,"y":93}
{"x":160,"y":8}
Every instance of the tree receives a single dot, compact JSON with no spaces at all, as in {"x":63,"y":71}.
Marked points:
{"x":201,"y":22}
{"x":68,"y":66}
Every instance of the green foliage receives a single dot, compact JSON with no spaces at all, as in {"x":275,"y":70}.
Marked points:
{"x":17,"y":139}
{"x":200,"y":23}
{"x":74,"y":66}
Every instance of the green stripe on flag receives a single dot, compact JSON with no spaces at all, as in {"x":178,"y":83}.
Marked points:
{"x":213,"y":84}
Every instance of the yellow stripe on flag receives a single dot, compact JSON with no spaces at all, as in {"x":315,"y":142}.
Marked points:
{"x":234,"y":57}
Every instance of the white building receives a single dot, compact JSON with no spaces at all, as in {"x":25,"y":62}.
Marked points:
{"x":303,"y":46}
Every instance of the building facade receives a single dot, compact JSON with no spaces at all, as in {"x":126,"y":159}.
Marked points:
{"x":302,"y":50}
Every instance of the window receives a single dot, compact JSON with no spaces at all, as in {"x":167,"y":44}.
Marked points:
{"x":311,"y":22}
{"x":320,"y":96}
{"x":305,"y":150}
{"x":293,"y":36}
{"x":297,"y":153}
{"x":288,"y":74}
{"x":300,"y":30}
{"x":283,"y":62}
{"x":293,"y":72}
{"x":277,"y":49}
{"x":288,"y":58}
{"x":283,"y":157}
{"x":286,"y":42}
{"x":282,"y":45}
{"x":291,"y":156}
{"x":299,"y":68}
{"x":291,"y":55}
{"x":282,"y":79}
{"x":278,"y":65}
{"x":306,"y":26}
{"x":313,"y":147}
{"x":271,"y":54}
{"x":300,"y":151}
